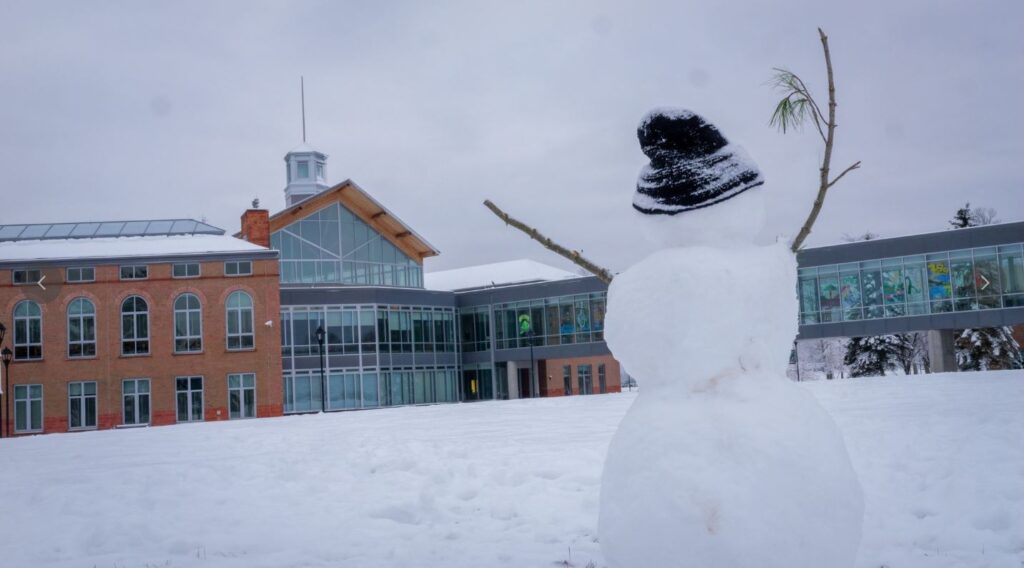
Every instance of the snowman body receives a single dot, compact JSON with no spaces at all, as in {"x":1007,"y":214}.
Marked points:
{"x":721,"y":461}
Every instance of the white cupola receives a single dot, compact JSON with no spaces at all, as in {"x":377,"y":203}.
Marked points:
{"x":306,"y":173}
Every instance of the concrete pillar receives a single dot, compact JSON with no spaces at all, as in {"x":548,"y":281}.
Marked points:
{"x":513,"y":380}
{"x":940,"y":350}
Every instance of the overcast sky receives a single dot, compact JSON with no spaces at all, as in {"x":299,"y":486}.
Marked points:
{"x":134,"y":110}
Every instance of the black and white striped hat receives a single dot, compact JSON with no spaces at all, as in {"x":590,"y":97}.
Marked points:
{"x":692,"y":164}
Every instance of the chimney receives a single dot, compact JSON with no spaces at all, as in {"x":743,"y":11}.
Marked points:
{"x":256,"y":225}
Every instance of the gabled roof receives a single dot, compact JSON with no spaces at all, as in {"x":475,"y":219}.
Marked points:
{"x":368,"y":209}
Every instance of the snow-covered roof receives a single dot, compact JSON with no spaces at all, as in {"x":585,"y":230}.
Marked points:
{"x":497,"y":274}
{"x":78,"y":249}
{"x":302,"y":148}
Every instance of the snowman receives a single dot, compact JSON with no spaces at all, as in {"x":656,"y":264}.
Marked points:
{"x":721,"y":461}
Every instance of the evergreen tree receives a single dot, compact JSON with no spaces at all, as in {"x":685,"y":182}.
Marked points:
{"x":963,"y":217}
{"x":873,"y":356}
{"x":987,"y":349}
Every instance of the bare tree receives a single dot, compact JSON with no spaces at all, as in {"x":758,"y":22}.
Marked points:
{"x":798,"y":107}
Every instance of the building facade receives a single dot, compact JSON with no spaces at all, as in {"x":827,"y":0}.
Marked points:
{"x":122,"y":324}
{"x":354,"y":270}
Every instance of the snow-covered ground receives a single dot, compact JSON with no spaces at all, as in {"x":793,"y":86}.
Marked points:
{"x":515,"y":483}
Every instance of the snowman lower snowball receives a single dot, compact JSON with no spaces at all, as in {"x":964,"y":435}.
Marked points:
{"x":721,"y":461}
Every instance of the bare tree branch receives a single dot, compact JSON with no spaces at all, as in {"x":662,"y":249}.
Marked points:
{"x":823,"y":183}
{"x":855,"y":166}
{"x":603,"y":274}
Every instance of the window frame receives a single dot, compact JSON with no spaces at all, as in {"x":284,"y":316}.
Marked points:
{"x":135,"y":268}
{"x":81,"y":271}
{"x":238,"y":268}
{"x":186,"y":266}
{"x":190,"y":334}
{"x":81,"y":342}
{"x":190,"y":392}
{"x":236,"y":314}
{"x":27,"y":403}
{"x":82,"y":401}
{"x":25,"y":346}
{"x":135,"y":397}
{"x":136,"y":339}
{"x":241,"y":390}
{"x":25,"y":271}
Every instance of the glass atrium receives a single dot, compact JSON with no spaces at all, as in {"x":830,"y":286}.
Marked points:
{"x":333,"y":246}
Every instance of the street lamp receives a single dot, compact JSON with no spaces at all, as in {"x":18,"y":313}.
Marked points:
{"x":320,"y":334}
{"x":6,"y":356}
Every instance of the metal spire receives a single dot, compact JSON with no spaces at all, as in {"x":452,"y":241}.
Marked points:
{"x":302,"y":89}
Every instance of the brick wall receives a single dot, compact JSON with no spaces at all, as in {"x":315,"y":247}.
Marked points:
{"x":108,"y":368}
{"x":551,"y":373}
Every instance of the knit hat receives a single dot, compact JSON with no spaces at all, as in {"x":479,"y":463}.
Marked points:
{"x":692,"y":164}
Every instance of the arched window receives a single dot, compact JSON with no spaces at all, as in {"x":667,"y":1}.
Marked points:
{"x":134,"y":326}
{"x":188,"y":324}
{"x":28,"y":331}
{"x":81,"y":328}
{"x":240,"y":326}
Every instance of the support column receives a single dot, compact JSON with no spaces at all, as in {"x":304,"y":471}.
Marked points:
{"x":513,"y":380}
{"x":940,"y":350}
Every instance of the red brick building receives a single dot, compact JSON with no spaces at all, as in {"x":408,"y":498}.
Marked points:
{"x":136,"y":323}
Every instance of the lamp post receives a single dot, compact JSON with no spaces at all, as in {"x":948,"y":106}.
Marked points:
{"x":320,"y":334}
{"x":6,"y":356}
{"x":3,"y":332}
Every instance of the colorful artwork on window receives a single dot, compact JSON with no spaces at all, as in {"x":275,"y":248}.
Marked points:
{"x":849,"y":291}
{"x":892,"y":286}
{"x":828,"y":289}
{"x":938,"y":281}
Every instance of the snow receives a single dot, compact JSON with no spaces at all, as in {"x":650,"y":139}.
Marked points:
{"x":499,"y":273}
{"x":510,"y":483}
{"x":116,"y":247}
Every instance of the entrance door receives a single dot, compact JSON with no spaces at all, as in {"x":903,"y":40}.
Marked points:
{"x":524,"y":383}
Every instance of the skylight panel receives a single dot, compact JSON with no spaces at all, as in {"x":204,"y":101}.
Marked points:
{"x":11,"y":231}
{"x":159,"y":227}
{"x":84,"y":229}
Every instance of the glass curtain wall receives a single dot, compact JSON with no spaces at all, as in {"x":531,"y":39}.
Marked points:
{"x":351,"y":389}
{"x":475,"y":327}
{"x":963,"y":280}
{"x":368,"y":329}
{"x":333,"y":246}
{"x":558,"y":320}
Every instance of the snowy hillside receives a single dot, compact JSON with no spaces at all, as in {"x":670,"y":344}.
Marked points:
{"x":514,"y":483}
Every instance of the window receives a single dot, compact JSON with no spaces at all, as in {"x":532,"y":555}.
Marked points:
{"x":189,"y":394}
{"x":185,"y":270}
{"x":135,"y":272}
{"x":134,"y":326}
{"x":320,"y":171}
{"x":82,"y":405}
{"x":28,"y":331}
{"x":188,"y":326}
{"x":26,"y":276}
{"x":301,"y":392}
{"x":242,"y":395}
{"x":585,"y":378}
{"x":343,"y":390}
{"x":28,"y":408}
{"x":567,"y":379}
{"x":240,"y":326}
{"x":81,"y":274}
{"x":135,"y":396}
{"x":601,"y":379}
{"x":302,"y":169}
{"x":81,"y":328}
{"x":238,"y":268}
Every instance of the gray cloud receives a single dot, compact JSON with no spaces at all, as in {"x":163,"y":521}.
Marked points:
{"x":128,"y":110}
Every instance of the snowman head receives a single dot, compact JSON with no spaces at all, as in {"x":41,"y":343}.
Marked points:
{"x":696,"y":188}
